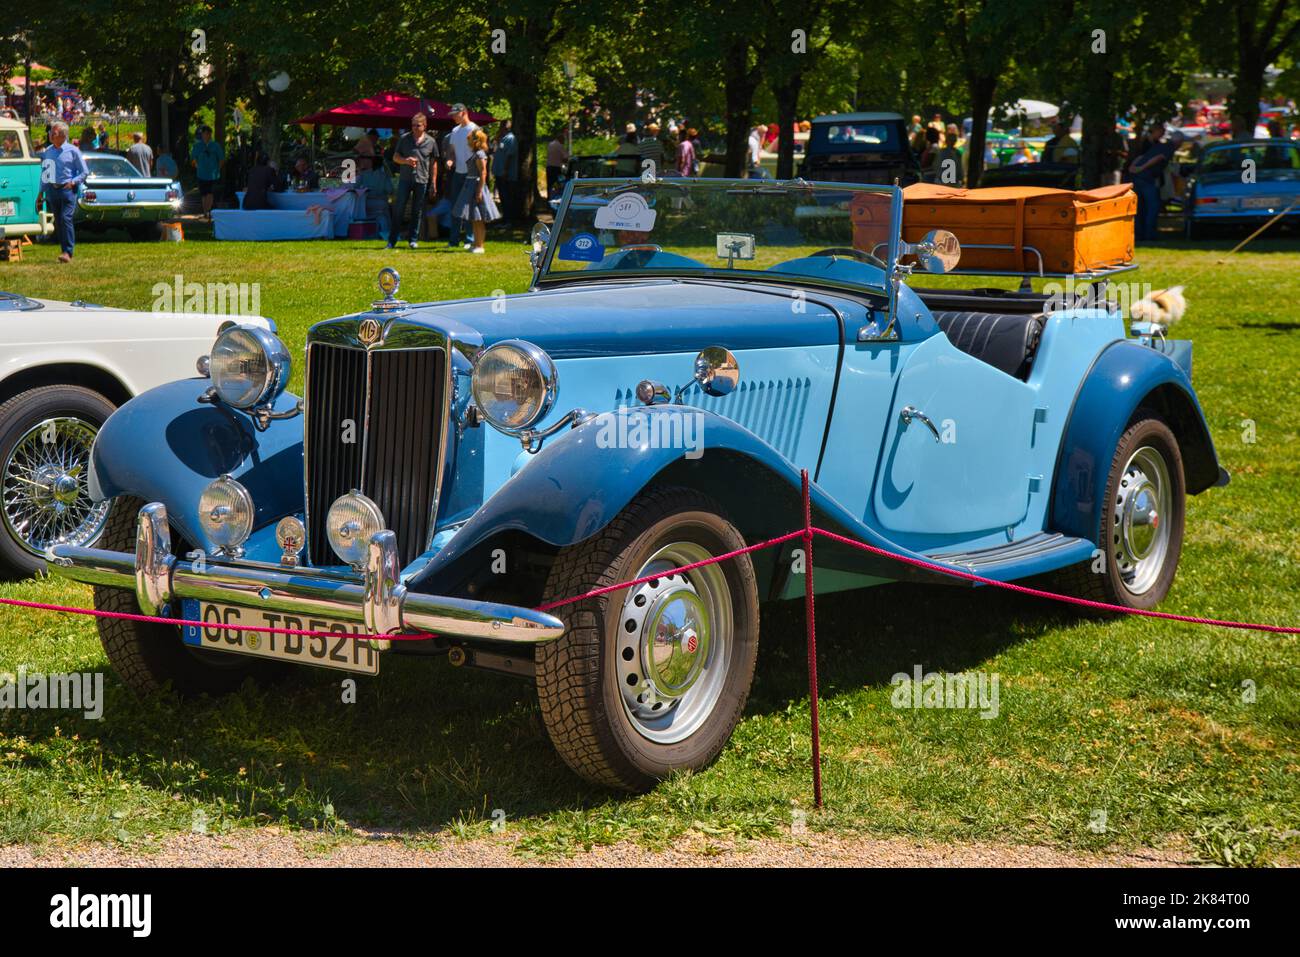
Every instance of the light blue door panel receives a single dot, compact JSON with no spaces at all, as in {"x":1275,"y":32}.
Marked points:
{"x":975,"y":477}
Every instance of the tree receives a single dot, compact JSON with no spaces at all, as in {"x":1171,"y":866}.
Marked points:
{"x":984,"y":38}
{"x":1248,"y":36}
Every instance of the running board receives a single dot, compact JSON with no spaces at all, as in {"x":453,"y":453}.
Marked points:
{"x":1043,"y":552}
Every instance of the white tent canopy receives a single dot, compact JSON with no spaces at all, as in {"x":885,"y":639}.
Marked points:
{"x":1031,"y":109}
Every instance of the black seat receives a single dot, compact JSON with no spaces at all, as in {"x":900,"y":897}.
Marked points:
{"x":1005,"y":341}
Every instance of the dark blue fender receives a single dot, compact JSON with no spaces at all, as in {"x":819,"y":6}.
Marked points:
{"x":165,"y":446}
{"x":1125,"y":377}
{"x":575,"y":485}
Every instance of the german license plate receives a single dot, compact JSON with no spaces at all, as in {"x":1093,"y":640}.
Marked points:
{"x":1261,"y":202}
{"x":344,"y":654}
{"x":8,"y":208}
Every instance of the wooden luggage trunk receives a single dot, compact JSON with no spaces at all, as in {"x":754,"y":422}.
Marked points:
{"x":1075,"y":232}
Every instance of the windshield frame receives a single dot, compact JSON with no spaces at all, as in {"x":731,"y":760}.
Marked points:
{"x":887,"y":288}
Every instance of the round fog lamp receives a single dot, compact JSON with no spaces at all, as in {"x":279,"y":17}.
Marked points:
{"x":226,"y":514}
{"x":351,"y":521}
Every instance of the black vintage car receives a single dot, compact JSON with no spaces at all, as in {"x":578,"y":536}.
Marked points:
{"x":859,"y":148}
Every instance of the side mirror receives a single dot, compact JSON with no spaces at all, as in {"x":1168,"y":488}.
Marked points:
{"x":938,"y":252}
{"x":717,"y":371}
{"x":541,"y":238}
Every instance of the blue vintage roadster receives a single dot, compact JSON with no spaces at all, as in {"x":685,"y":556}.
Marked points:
{"x":687,"y":349}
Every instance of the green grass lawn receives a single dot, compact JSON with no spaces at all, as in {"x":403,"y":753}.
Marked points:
{"x":1138,"y":721}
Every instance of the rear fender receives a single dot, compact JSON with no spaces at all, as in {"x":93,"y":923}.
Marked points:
{"x":1125,"y":378}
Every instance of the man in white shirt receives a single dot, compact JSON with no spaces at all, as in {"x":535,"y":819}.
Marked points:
{"x":754,"y":155}
{"x":460,"y":153}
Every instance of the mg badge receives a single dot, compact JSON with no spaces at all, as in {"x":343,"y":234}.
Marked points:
{"x":369,"y":331}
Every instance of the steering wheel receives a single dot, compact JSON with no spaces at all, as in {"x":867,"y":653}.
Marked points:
{"x":849,"y":251}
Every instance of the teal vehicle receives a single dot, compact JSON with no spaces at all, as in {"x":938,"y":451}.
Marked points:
{"x":20,"y":183}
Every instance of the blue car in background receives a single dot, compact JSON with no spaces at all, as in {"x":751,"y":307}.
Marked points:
{"x":116,"y":194}
{"x":688,"y":348}
{"x":1243,"y":183}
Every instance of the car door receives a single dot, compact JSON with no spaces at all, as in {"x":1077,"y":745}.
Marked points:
{"x":971,"y":472}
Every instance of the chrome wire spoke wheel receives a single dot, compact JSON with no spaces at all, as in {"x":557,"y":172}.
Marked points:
{"x":1140,"y":533}
{"x":46,"y":494}
{"x":674,"y":645}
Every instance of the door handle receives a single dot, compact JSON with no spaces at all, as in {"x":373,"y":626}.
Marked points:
{"x":911,"y":412}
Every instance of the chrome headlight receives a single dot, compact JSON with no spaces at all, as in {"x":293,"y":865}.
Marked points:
{"x":226,"y":514}
{"x":514,"y":385}
{"x":249,"y":366}
{"x":351,"y":521}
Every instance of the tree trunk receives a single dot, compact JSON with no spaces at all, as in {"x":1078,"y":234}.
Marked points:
{"x":1247,"y":88}
{"x":787,"y":107}
{"x":219,"y":104}
{"x":739,"y":84}
{"x":1098,"y":128}
{"x":981,"y":97}
{"x":523,"y":120}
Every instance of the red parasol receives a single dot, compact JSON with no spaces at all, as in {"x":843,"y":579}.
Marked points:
{"x":392,"y":110}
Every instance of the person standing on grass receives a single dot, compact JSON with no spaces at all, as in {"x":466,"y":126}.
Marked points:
{"x":140,"y":155}
{"x":63,"y":169}
{"x":208,"y":158}
{"x":457,"y":162}
{"x":475,"y":201}
{"x":505,"y":170}
{"x":556,"y":157}
{"x":416,"y":158}
{"x":166,"y":166}
{"x":1148,"y":171}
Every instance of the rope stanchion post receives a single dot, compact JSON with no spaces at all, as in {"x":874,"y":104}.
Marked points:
{"x":810,"y":615}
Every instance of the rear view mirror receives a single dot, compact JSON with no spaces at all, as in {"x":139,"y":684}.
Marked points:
{"x":733,"y":246}
{"x":938,"y":252}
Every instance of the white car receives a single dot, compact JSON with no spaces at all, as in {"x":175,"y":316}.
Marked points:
{"x":64,"y":368}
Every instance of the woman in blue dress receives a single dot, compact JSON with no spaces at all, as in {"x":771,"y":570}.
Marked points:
{"x":475,"y":201}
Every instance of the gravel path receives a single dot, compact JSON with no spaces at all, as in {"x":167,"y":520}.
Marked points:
{"x":271,"y":847}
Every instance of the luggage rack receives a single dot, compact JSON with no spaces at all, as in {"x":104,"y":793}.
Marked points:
{"x":1097,"y":272}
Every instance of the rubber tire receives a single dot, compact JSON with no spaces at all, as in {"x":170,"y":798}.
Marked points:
{"x":143,"y":232}
{"x":17,"y":416}
{"x":150,"y":657}
{"x":1146,"y":429}
{"x":577,"y":685}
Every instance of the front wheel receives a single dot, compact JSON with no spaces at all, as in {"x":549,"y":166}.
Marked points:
{"x":653,"y":678}
{"x":45,"y":439}
{"x":1141,"y":534}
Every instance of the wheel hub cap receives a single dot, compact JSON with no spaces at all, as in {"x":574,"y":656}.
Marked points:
{"x":1139,"y":532}
{"x":674,"y":645}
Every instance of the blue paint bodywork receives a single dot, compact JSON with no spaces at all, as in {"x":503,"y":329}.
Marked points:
{"x":1220,"y":191}
{"x":1016,"y":458}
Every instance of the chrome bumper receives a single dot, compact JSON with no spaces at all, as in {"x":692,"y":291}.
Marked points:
{"x":381,"y":603}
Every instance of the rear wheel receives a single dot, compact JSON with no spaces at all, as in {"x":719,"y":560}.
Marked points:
{"x":147,"y":656}
{"x":143,"y":232}
{"x":1141,"y":535}
{"x":652,"y":678}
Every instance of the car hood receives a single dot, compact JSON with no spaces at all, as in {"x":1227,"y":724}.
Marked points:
{"x":644,"y":317}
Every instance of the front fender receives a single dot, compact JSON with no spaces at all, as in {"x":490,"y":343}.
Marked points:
{"x":165,"y":446}
{"x":1125,"y":377}
{"x":583,"y":478}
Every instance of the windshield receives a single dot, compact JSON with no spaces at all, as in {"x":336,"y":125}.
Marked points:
{"x":1270,"y":161}
{"x":111,"y":166}
{"x":778,"y":229}
{"x":859,"y":137}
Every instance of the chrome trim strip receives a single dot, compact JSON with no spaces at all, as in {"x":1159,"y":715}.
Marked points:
{"x":385,"y":602}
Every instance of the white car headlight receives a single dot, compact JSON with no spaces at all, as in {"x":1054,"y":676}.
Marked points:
{"x":351,"y":521}
{"x":514,"y":385}
{"x":249,"y":366}
{"x":226,"y":513}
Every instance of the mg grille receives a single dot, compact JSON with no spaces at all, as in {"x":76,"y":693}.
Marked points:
{"x":390,"y":404}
